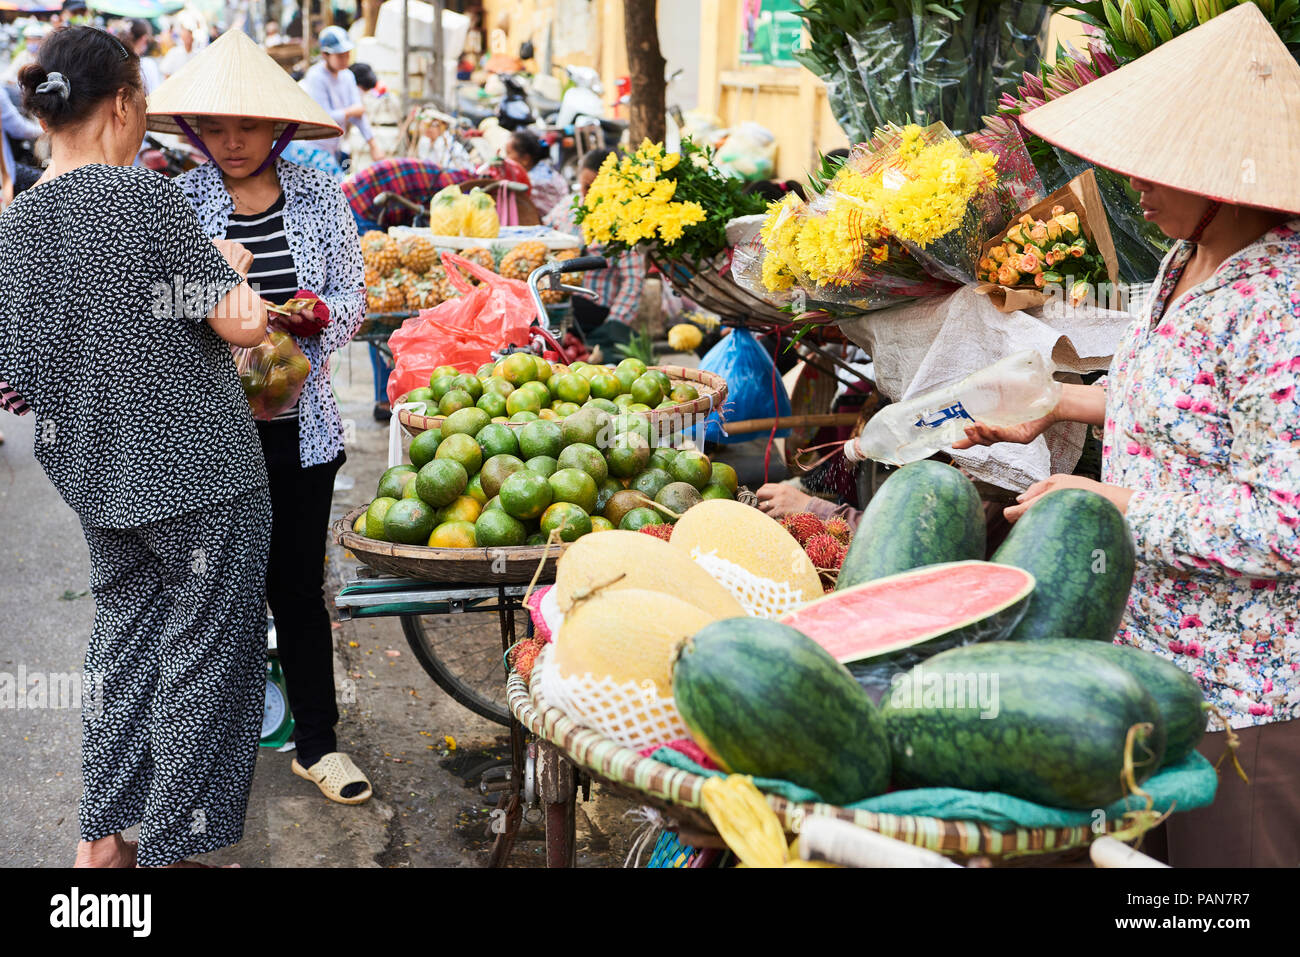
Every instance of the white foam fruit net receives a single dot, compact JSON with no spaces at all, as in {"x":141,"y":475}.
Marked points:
{"x":760,"y":597}
{"x":634,"y":715}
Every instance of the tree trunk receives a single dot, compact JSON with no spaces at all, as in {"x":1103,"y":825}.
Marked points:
{"x":370,"y":10}
{"x":645,"y":64}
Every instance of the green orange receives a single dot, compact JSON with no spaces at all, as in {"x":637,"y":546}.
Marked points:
{"x":492,"y":403}
{"x":574,"y":486}
{"x":691,"y":467}
{"x":540,"y":438}
{"x":496,"y":470}
{"x":391,"y":483}
{"x":453,"y":535}
{"x":463,"y":449}
{"x":726,"y":475}
{"x":497,"y":439}
{"x":375,"y":517}
{"x":454,"y":401}
{"x":423,"y":447}
{"x":639,"y":518}
{"x":464,"y":509}
{"x":441,"y":481}
{"x":525,"y":495}
{"x":523,"y":400}
{"x":568,"y":519}
{"x":518,"y":368}
{"x":543,"y":465}
{"x":496,"y":528}
{"x":586,"y":457}
{"x":408,"y":522}
{"x":464,"y":422}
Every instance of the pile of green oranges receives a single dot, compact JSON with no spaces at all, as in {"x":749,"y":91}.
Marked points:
{"x":476,"y":482}
{"x":522,"y":387}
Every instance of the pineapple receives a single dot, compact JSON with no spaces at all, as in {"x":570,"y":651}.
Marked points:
{"x":417,"y":254}
{"x":421,"y":292}
{"x":481,"y":255}
{"x":385,"y":296}
{"x":372,"y":277}
{"x":523,"y":259}
{"x":379,"y":251}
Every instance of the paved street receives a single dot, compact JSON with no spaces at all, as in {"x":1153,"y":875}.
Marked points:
{"x":422,"y":814}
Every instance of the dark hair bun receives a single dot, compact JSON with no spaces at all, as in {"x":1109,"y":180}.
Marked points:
{"x":94,"y":65}
{"x":48,"y":106}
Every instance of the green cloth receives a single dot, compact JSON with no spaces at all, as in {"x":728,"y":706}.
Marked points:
{"x":1189,"y":784}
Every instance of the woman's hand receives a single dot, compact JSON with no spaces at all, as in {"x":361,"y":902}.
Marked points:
{"x":239,"y":258}
{"x":1116,"y":495}
{"x":1022,"y":434}
{"x":779,"y":500}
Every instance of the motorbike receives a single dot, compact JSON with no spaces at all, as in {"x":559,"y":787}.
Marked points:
{"x":171,"y":161}
{"x":580,"y":124}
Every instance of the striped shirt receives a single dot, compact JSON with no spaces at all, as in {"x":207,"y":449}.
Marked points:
{"x":272,"y":274}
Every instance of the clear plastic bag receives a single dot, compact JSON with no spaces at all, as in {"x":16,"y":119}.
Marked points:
{"x":272,"y":374}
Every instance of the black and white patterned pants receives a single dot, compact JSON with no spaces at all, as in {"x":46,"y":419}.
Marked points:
{"x":179,"y":644}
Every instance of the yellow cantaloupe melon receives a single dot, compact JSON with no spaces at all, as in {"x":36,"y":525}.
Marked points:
{"x":630,"y":635}
{"x":594,"y":563}
{"x":746,"y":537}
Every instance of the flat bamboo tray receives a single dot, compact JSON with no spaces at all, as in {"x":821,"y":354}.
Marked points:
{"x":712,"y":391}
{"x":676,"y":793}
{"x":488,"y":566}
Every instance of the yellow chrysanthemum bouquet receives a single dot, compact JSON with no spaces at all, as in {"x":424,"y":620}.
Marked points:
{"x":679,"y":203}
{"x":903,"y":217}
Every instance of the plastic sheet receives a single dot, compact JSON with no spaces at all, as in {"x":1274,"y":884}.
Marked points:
{"x":1185,"y":786}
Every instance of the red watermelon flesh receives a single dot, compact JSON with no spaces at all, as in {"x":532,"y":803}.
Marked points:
{"x":949,"y":604}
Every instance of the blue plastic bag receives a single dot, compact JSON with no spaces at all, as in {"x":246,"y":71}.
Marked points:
{"x":750,"y":373}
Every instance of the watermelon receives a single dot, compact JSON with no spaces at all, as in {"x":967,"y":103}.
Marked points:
{"x":926,"y":513}
{"x":762,"y":699}
{"x":1044,"y":722}
{"x":1078,"y":547}
{"x":1176,"y":693}
{"x":938,"y":606}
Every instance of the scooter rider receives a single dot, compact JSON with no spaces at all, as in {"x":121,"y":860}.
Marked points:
{"x":331,"y":84}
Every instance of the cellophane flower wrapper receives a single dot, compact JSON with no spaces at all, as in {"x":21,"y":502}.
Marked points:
{"x":881,"y":57}
{"x":946,"y":199}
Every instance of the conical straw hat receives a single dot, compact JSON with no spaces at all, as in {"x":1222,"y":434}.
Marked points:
{"x":1214,"y":111}
{"x":233,"y":76}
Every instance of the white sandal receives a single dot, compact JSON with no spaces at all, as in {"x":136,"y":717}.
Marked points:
{"x":332,"y":774}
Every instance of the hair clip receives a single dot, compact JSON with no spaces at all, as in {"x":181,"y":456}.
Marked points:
{"x":56,"y":83}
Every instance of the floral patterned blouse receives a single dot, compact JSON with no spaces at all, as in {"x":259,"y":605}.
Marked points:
{"x":1203,"y":421}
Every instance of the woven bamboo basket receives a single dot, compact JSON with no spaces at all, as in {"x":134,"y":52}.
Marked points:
{"x":712,"y":391}
{"x":494,"y":566}
{"x":710,"y":286}
{"x":676,"y":793}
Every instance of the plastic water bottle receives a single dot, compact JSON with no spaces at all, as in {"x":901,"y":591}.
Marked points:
{"x":1013,"y":390}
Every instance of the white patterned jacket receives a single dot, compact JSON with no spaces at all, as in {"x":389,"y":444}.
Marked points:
{"x":326,"y":250}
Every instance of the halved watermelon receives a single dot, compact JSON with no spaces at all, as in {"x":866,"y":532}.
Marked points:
{"x":951,"y":604}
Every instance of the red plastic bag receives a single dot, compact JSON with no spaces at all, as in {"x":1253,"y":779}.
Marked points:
{"x":460,"y":332}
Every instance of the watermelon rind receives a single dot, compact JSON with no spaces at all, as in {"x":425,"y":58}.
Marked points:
{"x":1176,"y":693}
{"x":993,"y":625}
{"x":1079,"y":547}
{"x":1050,"y":726}
{"x":926,"y":513}
{"x":762,"y":699}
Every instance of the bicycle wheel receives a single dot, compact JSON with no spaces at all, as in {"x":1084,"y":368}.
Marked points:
{"x":465,"y":663}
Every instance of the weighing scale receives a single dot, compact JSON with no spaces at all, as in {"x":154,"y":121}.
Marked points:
{"x":277,"y":720}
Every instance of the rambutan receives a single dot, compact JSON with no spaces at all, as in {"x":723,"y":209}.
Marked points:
{"x":662,"y":531}
{"x":825,"y":552}
{"x":803,"y":525}
{"x":839,"y":530}
{"x":524,"y":656}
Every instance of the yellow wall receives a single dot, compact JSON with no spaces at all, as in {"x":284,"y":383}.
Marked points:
{"x":789,"y":101}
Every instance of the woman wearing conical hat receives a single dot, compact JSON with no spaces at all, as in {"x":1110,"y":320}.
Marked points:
{"x":241,"y":109}
{"x":1201,"y":409}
